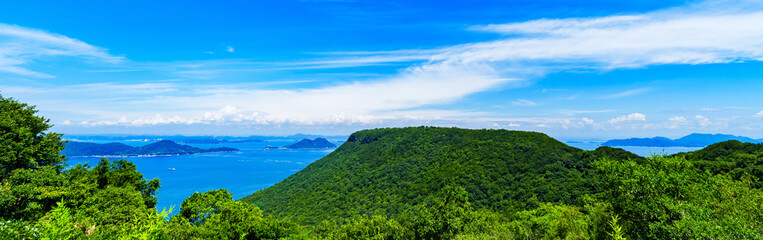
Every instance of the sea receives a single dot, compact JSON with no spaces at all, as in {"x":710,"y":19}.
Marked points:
{"x":242,"y":173}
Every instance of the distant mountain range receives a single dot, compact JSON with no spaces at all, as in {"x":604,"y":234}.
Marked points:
{"x":691,"y":140}
{"x":192,"y":139}
{"x":165,"y":147}
{"x":308,"y":144}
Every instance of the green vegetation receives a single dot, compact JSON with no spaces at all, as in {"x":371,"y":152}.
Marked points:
{"x":410,"y":183}
{"x":734,"y":158}
{"x":391,"y":170}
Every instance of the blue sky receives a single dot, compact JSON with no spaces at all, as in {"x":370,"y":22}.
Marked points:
{"x":571,"y":69}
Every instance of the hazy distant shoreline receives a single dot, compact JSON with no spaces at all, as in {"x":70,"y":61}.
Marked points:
{"x":147,"y":155}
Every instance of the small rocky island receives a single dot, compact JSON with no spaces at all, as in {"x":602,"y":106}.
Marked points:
{"x":160,"y":148}
{"x":318,"y":143}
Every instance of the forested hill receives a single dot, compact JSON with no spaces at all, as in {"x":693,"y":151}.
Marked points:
{"x":736,"y":158}
{"x":165,"y":147}
{"x":389,"y":170}
{"x":318,"y":143}
{"x":311,"y":144}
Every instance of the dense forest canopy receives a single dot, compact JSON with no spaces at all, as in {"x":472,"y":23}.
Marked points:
{"x":390,"y":170}
{"x":401,"y":183}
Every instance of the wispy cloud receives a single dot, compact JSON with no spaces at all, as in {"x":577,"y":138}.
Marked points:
{"x":677,"y":119}
{"x":703,"y":121}
{"x":575,"y":112}
{"x":230,"y":49}
{"x":695,"y":34}
{"x":19,"y":46}
{"x":626,"y":93}
{"x":759,"y":114}
{"x":349,"y":103}
{"x":677,"y":122}
{"x":524,"y":102}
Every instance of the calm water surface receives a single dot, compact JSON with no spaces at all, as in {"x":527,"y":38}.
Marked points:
{"x":242,"y":173}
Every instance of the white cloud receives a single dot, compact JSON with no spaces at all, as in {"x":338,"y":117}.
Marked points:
{"x":703,"y":121}
{"x":19,"y":46}
{"x":524,"y":102}
{"x":366,"y":102}
{"x":230,"y":49}
{"x":677,"y":119}
{"x":629,"y":117}
{"x":677,"y":122}
{"x":587,"y":121}
{"x":626,"y":93}
{"x":759,"y":114}
{"x":688,"y":35}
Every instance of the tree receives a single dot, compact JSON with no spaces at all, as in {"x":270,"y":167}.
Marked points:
{"x":214,"y":215}
{"x":24,"y":144}
{"x":30,"y":163}
{"x":667,"y":198}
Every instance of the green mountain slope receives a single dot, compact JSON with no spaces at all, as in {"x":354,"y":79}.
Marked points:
{"x":736,"y":158}
{"x":390,"y":170}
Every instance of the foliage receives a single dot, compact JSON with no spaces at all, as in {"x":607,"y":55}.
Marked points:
{"x":15,"y":229}
{"x":214,"y":215}
{"x":23,"y":141}
{"x":59,"y":224}
{"x":390,"y":170}
{"x":550,"y":221}
{"x":667,"y":198}
{"x":29,"y":162}
{"x":732,"y":157}
{"x":617,"y":230}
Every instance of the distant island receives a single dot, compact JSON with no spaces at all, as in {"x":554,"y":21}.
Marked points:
{"x":164,"y":147}
{"x":318,"y":143}
{"x":691,"y":140}
{"x":177,"y":138}
{"x":215,"y":140}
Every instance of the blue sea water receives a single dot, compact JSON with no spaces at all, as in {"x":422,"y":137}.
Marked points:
{"x":242,"y":173}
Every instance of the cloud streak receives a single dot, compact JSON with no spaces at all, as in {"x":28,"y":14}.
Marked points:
{"x":19,"y":46}
{"x":626,"y":93}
